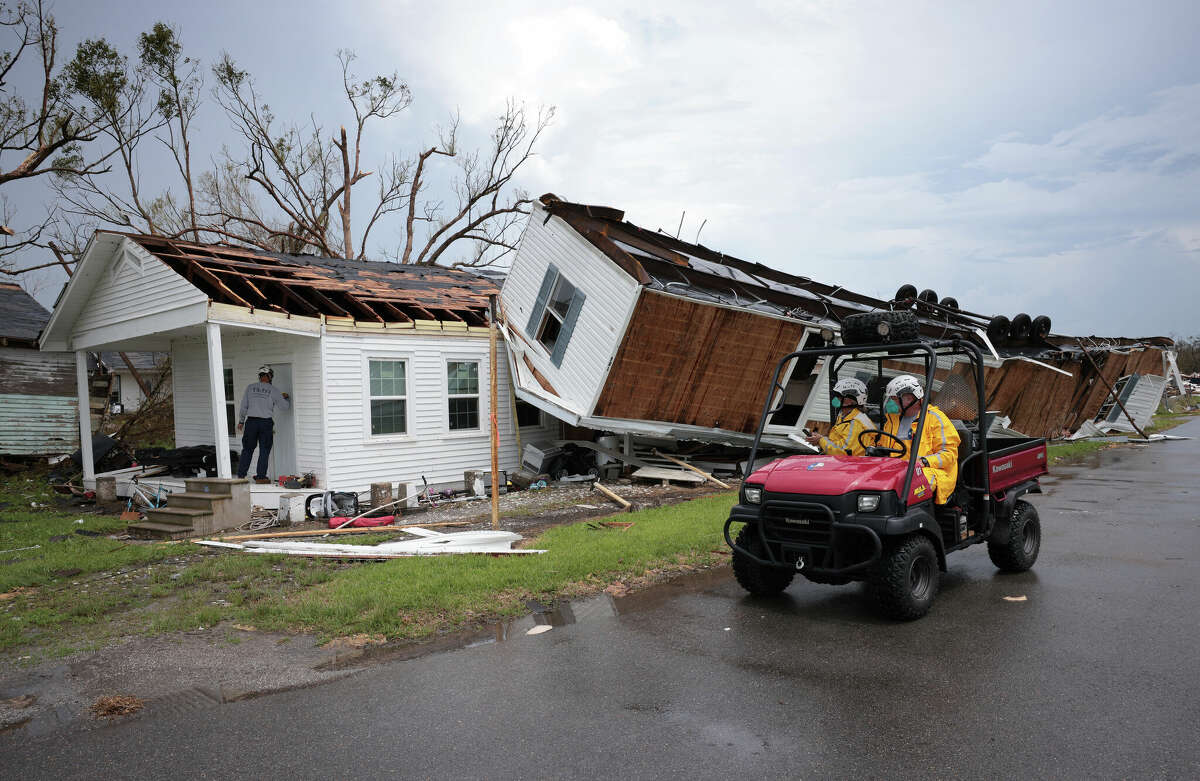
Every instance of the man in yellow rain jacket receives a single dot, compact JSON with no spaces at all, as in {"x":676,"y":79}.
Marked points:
{"x":850,"y":421}
{"x":938,"y":448}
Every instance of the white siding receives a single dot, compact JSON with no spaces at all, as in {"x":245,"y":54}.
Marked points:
{"x":611,"y":295}
{"x":134,"y":285}
{"x":245,"y":352}
{"x":429,"y":448}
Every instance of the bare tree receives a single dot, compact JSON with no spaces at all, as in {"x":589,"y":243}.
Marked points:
{"x":178,"y":80}
{"x":40,"y":133}
{"x":486,"y":214}
{"x":303,"y":172}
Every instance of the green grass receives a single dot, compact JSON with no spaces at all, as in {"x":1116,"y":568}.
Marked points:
{"x":130,"y":589}
{"x":1062,"y":452}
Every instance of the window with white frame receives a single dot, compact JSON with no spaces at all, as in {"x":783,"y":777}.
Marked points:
{"x":462,"y":392}
{"x":389,"y":397}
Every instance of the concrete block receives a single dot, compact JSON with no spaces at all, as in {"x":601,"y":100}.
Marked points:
{"x":291,"y":509}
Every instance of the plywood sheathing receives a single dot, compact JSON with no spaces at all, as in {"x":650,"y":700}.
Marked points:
{"x":306,"y":285}
{"x":690,"y":363}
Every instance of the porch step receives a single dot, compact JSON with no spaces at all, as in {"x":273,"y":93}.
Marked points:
{"x":194,"y":499}
{"x":189,"y":516}
{"x":160,"y":531}
{"x":214,"y":485}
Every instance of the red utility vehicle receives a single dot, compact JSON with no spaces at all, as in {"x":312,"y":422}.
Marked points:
{"x":838,"y":518}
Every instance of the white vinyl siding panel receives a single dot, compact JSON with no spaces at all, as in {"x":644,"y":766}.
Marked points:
{"x":610,"y":297}
{"x":135,"y":284}
{"x":429,"y":448}
{"x":244,"y":353}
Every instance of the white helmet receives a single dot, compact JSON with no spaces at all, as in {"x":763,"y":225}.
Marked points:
{"x":905,"y":383}
{"x":267,"y":370}
{"x":851,"y":386}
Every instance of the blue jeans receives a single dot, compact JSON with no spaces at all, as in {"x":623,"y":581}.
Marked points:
{"x":259,"y":432}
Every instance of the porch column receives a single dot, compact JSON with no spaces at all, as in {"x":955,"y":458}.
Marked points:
{"x":216,"y":387}
{"x":83,"y":389}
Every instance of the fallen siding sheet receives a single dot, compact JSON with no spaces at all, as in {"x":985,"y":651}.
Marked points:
{"x":431,"y":543}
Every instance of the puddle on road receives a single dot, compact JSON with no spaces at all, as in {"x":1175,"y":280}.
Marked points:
{"x":600,"y":607}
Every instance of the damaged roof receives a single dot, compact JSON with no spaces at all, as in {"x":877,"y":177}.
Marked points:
{"x":21,"y":317}
{"x":310,"y":286}
{"x":662,"y":262}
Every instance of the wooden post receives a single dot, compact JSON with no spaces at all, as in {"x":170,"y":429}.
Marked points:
{"x":83,"y":388}
{"x":381,"y":494}
{"x":492,"y":407}
{"x":216,"y":390}
{"x":1116,"y":396}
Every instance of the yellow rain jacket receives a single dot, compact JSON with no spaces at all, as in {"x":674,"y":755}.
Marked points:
{"x":843,"y":437}
{"x":939,"y":446}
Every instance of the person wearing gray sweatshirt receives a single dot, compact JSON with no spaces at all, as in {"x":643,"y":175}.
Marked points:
{"x":257,"y":417}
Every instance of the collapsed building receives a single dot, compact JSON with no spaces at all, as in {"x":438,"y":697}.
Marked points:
{"x":616,"y":328}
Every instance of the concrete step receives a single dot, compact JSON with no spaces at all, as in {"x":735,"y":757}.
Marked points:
{"x":214,"y":485}
{"x":194,"y":499}
{"x":182,"y":516}
{"x":159,"y":531}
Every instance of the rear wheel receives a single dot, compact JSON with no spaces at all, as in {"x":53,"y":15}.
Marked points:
{"x":1019,"y":552}
{"x":757,"y":578}
{"x":907,"y":579}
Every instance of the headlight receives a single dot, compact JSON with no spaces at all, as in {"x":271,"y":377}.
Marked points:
{"x":753,"y":493}
{"x":868,"y":503}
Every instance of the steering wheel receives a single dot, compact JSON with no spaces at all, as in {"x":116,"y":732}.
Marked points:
{"x":886,"y":451}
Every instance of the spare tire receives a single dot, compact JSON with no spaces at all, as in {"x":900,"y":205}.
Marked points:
{"x":863,"y":328}
{"x":927,"y":296}
{"x":950,"y":303}
{"x":997,"y":330}
{"x":1020,"y":326}
{"x":906,"y":292}
{"x":1040,"y":327}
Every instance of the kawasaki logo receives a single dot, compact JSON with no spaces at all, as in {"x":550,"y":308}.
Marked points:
{"x":1002,"y":467}
{"x":799,"y":521}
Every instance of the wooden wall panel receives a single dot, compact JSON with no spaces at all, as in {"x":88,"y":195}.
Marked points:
{"x":693,"y":363}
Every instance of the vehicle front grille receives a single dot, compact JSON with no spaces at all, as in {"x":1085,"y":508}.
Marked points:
{"x":799,"y":525}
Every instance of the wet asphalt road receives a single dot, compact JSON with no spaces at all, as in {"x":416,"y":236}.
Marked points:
{"x":1096,"y":674}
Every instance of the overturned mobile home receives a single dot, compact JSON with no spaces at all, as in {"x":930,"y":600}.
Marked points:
{"x":617,"y":328}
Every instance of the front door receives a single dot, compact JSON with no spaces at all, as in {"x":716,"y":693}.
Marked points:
{"x":283,"y":452}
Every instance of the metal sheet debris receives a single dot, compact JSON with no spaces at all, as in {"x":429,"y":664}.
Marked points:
{"x":431,"y":543}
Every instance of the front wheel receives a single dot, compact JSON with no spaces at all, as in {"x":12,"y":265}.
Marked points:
{"x":756,"y":578}
{"x":907,"y":579}
{"x":1020,"y":550}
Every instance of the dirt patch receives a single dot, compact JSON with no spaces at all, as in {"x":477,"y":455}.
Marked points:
{"x":116,"y":705}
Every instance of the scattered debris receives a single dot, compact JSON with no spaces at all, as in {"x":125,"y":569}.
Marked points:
{"x":622,"y":525}
{"x":661,"y":473}
{"x":1021,"y":598}
{"x":686,"y":465}
{"x":14,"y":550}
{"x":116,"y":705}
{"x":539,"y":629}
{"x":607,"y":492}
{"x":431,"y":544}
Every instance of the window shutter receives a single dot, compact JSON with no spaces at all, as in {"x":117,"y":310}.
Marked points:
{"x":543,"y":296}
{"x":568,"y":326}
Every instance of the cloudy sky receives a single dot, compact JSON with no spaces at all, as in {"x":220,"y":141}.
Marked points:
{"x":1021,"y":156}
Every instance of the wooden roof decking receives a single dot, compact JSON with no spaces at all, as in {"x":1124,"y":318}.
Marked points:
{"x":312,"y":286}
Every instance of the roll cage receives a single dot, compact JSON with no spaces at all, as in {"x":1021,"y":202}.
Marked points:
{"x":928,"y":351}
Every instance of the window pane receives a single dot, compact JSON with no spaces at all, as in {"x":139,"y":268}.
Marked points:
{"x":387,"y":417}
{"x":548,"y":334}
{"x":462,"y":377}
{"x":387,"y":378}
{"x":528,"y":415}
{"x":464,"y":414}
{"x":229,"y":383}
{"x":560,"y":299}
